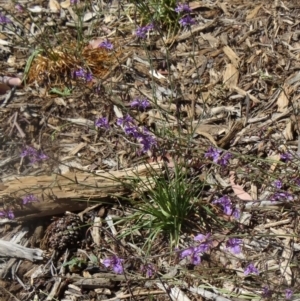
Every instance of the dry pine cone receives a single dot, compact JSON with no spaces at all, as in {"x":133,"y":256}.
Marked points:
{"x":63,"y":233}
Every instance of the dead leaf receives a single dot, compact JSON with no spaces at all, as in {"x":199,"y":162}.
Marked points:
{"x":253,"y":12}
{"x":238,"y":190}
{"x":283,"y":101}
{"x":54,"y":5}
{"x":231,"y":76}
{"x":65,"y":4}
{"x":244,"y":93}
{"x":232,"y":56}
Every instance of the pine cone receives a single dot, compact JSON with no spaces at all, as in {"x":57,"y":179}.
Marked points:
{"x":63,"y":233}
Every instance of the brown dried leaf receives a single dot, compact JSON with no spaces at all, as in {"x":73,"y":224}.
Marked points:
{"x":238,"y":190}
{"x":231,"y":76}
{"x":65,"y":4}
{"x":54,"y":5}
{"x":253,"y":12}
{"x":283,"y":101}
{"x":232,"y":56}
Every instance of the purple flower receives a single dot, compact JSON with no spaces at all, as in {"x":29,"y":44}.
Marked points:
{"x":10,"y":214}
{"x":140,"y":104}
{"x":127,"y":121}
{"x":224,"y":160}
{"x":236,"y":213}
{"x":30,"y":198}
{"x":88,"y":77}
{"x":187,"y":21}
{"x":187,"y":252}
{"x":288,"y":294}
{"x":142,"y":31}
{"x":195,"y":259}
{"x":234,"y":245}
{"x":33,"y":154}
{"x":281,"y":196}
{"x":146,"y":140}
{"x":193,"y":254}
{"x":148,"y":269}
{"x":19,"y":8}
{"x":7,"y":214}
{"x":102,"y":123}
{"x":74,"y":2}
{"x":213,"y":153}
{"x":286,"y":157}
{"x":81,"y":73}
{"x":4,"y":19}
{"x":106,"y":44}
{"x":251,"y":269}
{"x":132,"y":130}
{"x":180,"y":8}
{"x":277,"y":184}
{"x":225,"y":202}
{"x":202,"y":237}
{"x":115,"y":263}
{"x":29,"y":151}
{"x":266,"y":292}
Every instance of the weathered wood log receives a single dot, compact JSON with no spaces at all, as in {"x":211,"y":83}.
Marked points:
{"x":10,"y":249}
{"x":72,"y":191}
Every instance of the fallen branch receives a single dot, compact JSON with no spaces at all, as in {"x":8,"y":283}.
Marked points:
{"x":58,"y":193}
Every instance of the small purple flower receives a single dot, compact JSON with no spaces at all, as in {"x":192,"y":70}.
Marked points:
{"x":7,"y":214}
{"x":187,"y":21}
{"x":88,"y":77}
{"x":202,"y":237}
{"x":277,"y":184}
{"x":102,"y":123}
{"x":106,"y":44}
{"x":10,"y":214}
{"x":115,"y":263}
{"x":148,"y":270}
{"x":140,"y":104}
{"x":225,"y":202}
{"x":74,"y":2}
{"x":146,"y":140}
{"x":42,"y":156}
{"x":81,"y":73}
{"x":29,"y":151}
{"x":195,"y":259}
{"x":19,"y":8}
{"x":266,"y":292}
{"x":142,"y":31}
{"x":213,"y":153}
{"x":132,"y":130}
{"x":30,"y":198}
{"x":286,"y":157}
{"x":234,"y":245}
{"x":288,"y":294}
{"x":187,"y":252}
{"x":281,"y":196}
{"x":33,"y":154}
{"x":251,"y":269}
{"x":181,"y":8}
{"x":126,"y":121}
{"x":236,"y":213}
{"x":4,"y":19}
{"x":224,"y":160}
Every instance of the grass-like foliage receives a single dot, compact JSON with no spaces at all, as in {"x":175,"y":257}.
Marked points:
{"x":165,"y":203}
{"x":159,"y":12}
